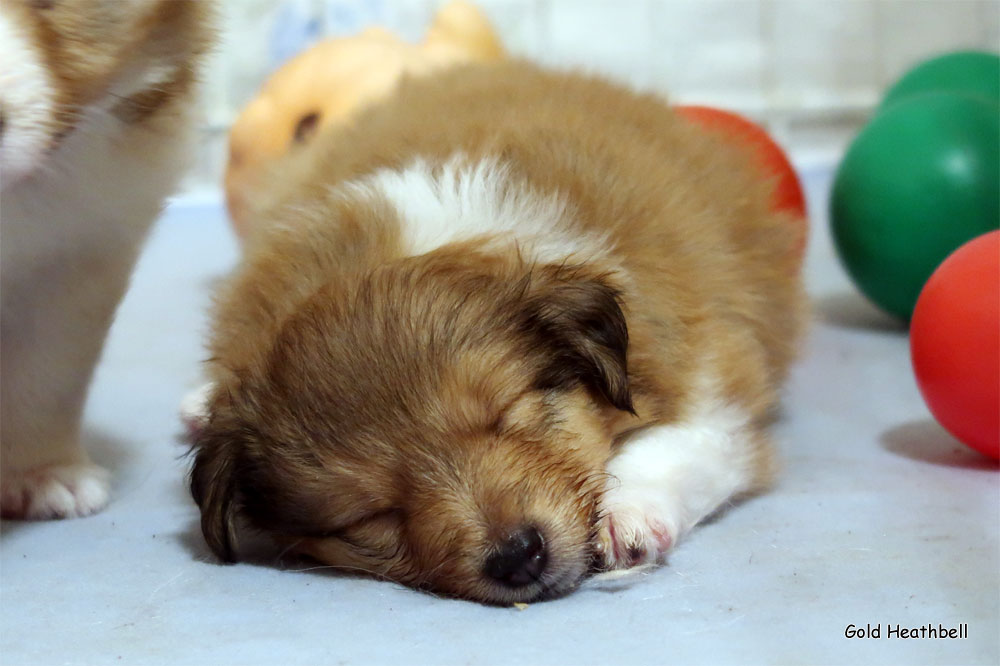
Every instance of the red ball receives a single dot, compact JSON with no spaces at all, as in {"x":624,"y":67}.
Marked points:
{"x":771,"y":160}
{"x":955,"y":343}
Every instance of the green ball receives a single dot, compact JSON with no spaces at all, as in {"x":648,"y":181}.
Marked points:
{"x":921,"y":179}
{"x":964,"y":72}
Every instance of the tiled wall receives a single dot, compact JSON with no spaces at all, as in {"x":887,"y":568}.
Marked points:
{"x":810,"y":69}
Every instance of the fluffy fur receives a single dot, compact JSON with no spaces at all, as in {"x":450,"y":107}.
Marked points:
{"x":96,"y":97}
{"x":512,"y":325}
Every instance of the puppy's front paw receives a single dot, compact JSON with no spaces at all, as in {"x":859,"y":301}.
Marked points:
{"x":635,"y":528}
{"x":55,"y":491}
{"x":194,"y":411}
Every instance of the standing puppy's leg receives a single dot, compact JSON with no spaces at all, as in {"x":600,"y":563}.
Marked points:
{"x":53,"y":326}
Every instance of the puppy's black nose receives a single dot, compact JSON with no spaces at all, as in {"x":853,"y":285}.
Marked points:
{"x":519,"y":559}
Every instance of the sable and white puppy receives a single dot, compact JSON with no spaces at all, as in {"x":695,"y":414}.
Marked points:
{"x":512,"y":321}
{"x":96,"y":109}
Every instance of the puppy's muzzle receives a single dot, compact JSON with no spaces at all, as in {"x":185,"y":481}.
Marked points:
{"x":519,"y":559}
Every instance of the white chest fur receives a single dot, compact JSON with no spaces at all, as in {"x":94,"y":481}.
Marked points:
{"x":462,"y":200}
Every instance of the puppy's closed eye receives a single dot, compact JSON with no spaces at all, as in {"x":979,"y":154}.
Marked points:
{"x":376,"y":535}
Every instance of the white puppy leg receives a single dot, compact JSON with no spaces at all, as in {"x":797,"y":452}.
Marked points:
{"x":667,"y":478}
{"x":53,"y":327}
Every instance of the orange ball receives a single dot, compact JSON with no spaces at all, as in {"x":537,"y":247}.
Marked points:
{"x":955,"y":343}
{"x":771,"y":159}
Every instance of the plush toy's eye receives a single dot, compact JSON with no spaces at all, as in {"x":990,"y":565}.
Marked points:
{"x":306,"y":127}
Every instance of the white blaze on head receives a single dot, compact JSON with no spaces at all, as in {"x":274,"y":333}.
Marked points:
{"x":27,"y":103}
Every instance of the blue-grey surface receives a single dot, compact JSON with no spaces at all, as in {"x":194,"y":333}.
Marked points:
{"x":880,"y":518}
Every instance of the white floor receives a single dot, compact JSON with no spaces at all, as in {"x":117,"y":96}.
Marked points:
{"x":881,"y":519}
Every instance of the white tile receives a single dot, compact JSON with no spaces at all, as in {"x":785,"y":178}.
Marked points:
{"x":210,"y":161}
{"x":989,"y":16}
{"x":245,"y":46}
{"x":709,"y":51}
{"x":913,"y":30}
{"x":608,"y":37}
{"x":820,"y":52}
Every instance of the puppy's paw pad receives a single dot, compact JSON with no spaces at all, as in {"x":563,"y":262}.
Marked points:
{"x":56,"y":491}
{"x":633,"y":534}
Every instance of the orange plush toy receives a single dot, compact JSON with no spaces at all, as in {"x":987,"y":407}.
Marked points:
{"x":325,"y":85}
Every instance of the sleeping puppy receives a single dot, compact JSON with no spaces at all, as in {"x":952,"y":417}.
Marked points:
{"x":511,"y":323}
{"x":95,"y":119}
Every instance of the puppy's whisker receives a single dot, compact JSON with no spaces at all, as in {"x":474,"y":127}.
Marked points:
{"x":349,"y":569}
{"x":427,"y":577}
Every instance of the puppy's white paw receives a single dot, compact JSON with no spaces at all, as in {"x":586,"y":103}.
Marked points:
{"x":55,"y":491}
{"x":666,"y":479}
{"x":194,"y":411}
{"x":638,"y":526}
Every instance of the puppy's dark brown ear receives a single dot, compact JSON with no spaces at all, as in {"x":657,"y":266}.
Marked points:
{"x":581,"y":325}
{"x":213,"y":486}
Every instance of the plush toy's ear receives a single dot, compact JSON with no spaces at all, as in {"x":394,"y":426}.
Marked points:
{"x":213,"y":486}
{"x":581,"y":326}
{"x":461,"y":25}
